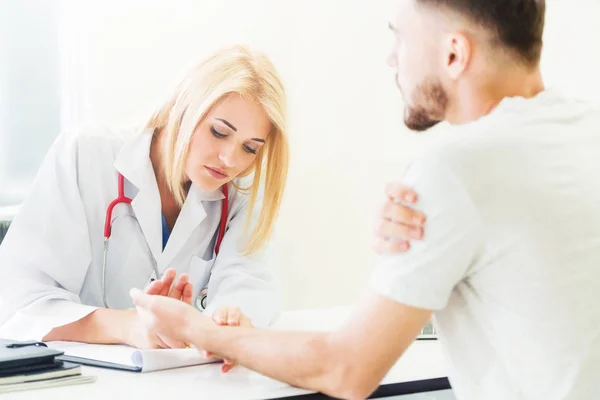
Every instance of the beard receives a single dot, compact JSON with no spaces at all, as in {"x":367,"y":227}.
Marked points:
{"x":429,"y":105}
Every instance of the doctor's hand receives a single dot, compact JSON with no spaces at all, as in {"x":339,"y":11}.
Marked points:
{"x":229,"y":316}
{"x":398,"y":223}
{"x":182,"y":290}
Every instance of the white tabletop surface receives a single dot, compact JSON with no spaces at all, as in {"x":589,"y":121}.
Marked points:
{"x":423,"y":360}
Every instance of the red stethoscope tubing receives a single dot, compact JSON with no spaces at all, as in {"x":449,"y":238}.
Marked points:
{"x":122,"y":199}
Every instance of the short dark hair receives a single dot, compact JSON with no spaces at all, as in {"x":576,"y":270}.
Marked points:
{"x":517,"y":24}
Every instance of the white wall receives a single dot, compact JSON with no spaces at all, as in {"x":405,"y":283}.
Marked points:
{"x":571,"y":60}
{"x":346,"y":130}
{"x":29,"y":93}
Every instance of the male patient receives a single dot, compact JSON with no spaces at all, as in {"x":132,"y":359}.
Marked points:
{"x":510,"y":263}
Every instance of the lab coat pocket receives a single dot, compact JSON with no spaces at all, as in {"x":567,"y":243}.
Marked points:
{"x":199,"y":273}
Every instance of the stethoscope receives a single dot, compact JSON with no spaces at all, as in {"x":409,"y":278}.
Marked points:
{"x":122,"y":199}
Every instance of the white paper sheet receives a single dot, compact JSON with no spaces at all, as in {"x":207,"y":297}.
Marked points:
{"x":148,"y":360}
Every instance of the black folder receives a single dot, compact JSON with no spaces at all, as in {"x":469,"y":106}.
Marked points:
{"x":17,"y":357}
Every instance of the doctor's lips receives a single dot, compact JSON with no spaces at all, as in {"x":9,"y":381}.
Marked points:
{"x":216,"y":173}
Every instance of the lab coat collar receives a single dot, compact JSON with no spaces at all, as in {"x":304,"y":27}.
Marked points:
{"x":133,"y":162}
{"x":190,"y":217}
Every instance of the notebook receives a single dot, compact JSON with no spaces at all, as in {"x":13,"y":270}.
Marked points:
{"x":59,"y":371}
{"x":49,"y":383}
{"x":16,"y":355}
{"x":128,"y":358}
{"x":27,"y":365}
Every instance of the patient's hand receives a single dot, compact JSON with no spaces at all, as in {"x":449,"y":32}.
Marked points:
{"x":139,"y":336}
{"x":230,"y":316}
{"x":170,"y":318}
{"x":398,"y":223}
{"x":167,"y":317}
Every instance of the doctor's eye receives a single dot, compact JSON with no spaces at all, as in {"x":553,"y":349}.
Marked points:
{"x":216,"y":133}
{"x":249,"y":149}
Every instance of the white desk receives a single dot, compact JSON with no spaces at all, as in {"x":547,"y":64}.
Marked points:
{"x":422,"y":361}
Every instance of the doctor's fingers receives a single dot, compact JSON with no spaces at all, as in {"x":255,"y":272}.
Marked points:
{"x":172,"y":343}
{"x":155,"y":287}
{"x":394,"y":230}
{"x":246,"y":322}
{"x":383,"y":246}
{"x":177,"y":289}
{"x":227,"y":365}
{"x":227,"y":316}
{"x":220,"y":316}
{"x":167,"y":279}
{"x":400,"y":192}
{"x":234,"y":316}
{"x":187,"y":294}
{"x":401,"y":213}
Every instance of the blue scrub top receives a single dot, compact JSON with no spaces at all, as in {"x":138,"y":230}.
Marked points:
{"x":165,"y":232}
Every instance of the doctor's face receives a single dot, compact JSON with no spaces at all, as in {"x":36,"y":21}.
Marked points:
{"x":226,"y":141}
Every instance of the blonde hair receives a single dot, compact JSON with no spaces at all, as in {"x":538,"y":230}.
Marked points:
{"x":231,"y":70}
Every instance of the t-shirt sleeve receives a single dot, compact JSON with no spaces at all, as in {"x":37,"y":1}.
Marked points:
{"x":425,"y":276}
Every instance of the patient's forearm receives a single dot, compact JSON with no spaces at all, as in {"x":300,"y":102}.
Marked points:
{"x":102,"y":326}
{"x":303,"y":359}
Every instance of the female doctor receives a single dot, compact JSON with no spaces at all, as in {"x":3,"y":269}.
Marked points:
{"x":197,"y":192}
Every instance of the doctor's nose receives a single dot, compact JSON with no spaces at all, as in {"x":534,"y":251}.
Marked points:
{"x":227,"y":157}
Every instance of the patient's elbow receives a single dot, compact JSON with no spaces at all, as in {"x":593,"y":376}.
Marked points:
{"x":350,"y":382}
{"x":352,"y":391}
{"x":342,"y":373}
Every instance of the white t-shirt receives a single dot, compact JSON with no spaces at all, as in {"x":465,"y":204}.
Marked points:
{"x":510,"y":262}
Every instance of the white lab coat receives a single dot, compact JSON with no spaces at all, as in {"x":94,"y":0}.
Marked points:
{"x":51,"y":258}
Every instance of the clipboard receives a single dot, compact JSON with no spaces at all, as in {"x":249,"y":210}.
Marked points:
{"x":128,"y":358}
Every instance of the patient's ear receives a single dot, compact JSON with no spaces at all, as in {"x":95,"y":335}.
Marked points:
{"x":458,"y":53}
